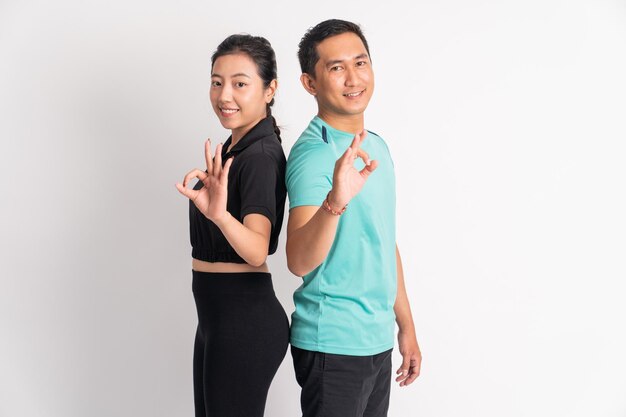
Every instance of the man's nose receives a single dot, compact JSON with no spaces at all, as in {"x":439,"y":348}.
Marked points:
{"x":351,"y":76}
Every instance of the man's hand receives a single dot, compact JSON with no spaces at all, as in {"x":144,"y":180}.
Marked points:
{"x":411,"y":359}
{"x":347,"y":181}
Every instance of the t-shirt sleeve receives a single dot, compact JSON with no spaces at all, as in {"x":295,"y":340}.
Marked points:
{"x":309,"y":174}
{"x":258,"y":187}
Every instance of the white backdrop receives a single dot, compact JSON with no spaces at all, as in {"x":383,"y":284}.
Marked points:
{"x":506,"y":120}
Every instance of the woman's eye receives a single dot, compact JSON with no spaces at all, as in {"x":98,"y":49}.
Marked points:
{"x":215,"y":84}
{"x":240,"y":84}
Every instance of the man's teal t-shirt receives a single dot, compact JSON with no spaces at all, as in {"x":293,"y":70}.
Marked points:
{"x":345,"y":305}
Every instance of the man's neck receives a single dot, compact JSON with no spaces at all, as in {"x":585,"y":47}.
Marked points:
{"x":346,"y":123}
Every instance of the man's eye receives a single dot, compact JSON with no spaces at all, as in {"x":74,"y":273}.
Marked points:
{"x":215,"y":84}
{"x":336,"y":68}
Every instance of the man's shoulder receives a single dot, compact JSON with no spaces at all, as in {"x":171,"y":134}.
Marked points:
{"x":312,"y":139}
{"x":372,"y":133}
{"x":373,"y":136}
{"x":313,"y":134}
{"x":376,"y":138}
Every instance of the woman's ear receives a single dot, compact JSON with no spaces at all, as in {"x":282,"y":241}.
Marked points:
{"x":308,"y":83}
{"x":270,"y":91}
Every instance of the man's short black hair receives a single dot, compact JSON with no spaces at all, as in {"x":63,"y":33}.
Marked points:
{"x":307,"y":49}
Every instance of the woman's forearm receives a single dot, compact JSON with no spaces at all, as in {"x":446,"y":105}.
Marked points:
{"x":252,"y":246}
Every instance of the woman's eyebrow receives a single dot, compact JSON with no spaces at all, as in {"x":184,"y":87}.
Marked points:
{"x":239,"y":74}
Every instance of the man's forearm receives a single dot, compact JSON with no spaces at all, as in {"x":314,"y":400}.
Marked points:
{"x":402,"y":308}
{"x":309,"y":244}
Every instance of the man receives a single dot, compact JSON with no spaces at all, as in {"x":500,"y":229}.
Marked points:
{"x":341,"y":239}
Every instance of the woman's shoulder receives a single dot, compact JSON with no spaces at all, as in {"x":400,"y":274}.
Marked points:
{"x":265,"y":150}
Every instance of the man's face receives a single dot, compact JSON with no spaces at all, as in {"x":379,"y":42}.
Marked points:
{"x":344,"y":80}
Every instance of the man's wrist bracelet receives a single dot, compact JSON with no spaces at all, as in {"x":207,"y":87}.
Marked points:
{"x":326,"y":206}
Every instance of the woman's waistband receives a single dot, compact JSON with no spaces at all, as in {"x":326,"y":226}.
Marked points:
{"x":232,"y":282}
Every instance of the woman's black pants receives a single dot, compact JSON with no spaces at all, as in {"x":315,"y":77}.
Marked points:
{"x":242,"y":338}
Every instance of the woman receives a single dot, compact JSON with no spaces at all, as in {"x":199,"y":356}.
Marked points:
{"x":236,"y":212}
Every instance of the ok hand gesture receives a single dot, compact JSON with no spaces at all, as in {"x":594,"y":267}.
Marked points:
{"x":347,"y":181}
{"x":211,"y":198}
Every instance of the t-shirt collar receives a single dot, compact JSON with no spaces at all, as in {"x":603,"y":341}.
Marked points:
{"x":264,"y":128}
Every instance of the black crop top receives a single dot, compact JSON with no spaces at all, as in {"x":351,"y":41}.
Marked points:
{"x":256,"y":184}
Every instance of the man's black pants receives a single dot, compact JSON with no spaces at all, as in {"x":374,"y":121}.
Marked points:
{"x":343,"y":385}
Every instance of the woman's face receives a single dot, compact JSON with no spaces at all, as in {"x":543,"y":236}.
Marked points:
{"x":237,"y":93}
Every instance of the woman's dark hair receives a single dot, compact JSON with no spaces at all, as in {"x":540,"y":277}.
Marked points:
{"x":307,"y":49}
{"x":260,"y":51}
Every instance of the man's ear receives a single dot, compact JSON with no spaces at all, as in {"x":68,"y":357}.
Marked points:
{"x":308,"y":83}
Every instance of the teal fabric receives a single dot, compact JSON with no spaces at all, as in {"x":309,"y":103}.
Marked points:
{"x":345,"y":305}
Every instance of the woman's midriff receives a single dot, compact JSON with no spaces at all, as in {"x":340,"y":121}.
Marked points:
{"x":203,"y":266}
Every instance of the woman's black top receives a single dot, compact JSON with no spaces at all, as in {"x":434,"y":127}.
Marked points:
{"x":256,"y":184}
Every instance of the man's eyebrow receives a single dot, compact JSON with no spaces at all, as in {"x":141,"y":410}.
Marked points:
{"x":334,"y":62}
{"x":340,"y":61}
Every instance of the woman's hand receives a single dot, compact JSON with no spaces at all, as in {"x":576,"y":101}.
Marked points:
{"x":212,"y":197}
